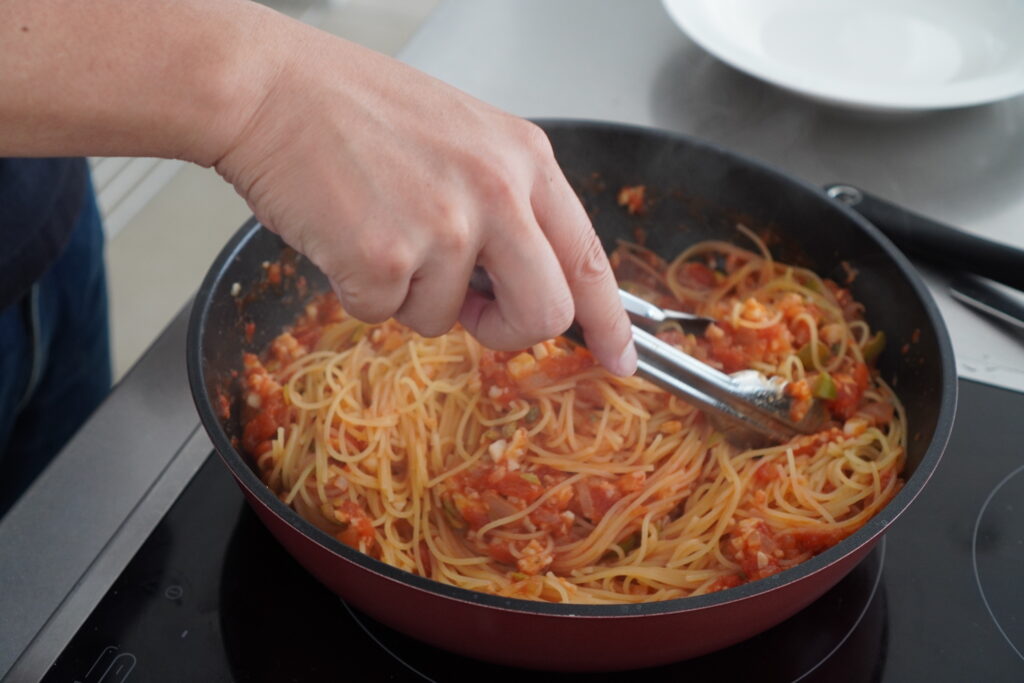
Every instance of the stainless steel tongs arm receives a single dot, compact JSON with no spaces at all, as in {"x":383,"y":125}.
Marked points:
{"x":750,"y":408}
{"x":741,"y":420}
{"x":645,"y":313}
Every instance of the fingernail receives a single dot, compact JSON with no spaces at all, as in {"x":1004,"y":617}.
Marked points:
{"x":626,"y":365}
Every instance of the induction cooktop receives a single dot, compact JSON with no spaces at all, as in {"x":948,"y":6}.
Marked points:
{"x":210,"y":596}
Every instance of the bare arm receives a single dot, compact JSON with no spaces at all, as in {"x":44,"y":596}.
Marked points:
{"x":119,"y":77}
{"x":392,"y":182}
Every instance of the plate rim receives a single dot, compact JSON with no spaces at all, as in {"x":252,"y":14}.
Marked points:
{"x":696,"y":26}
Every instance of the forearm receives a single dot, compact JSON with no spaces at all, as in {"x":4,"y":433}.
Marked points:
{"x":173,"y":79}
{"x":393,"y":183}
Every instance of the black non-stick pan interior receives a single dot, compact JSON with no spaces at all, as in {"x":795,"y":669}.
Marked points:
{"x":695,"y":191}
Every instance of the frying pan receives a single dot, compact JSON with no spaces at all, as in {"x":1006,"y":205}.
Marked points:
{"x":696,"y":191}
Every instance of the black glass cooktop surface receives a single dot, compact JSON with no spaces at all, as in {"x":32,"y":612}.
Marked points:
{"x":211,"y":596}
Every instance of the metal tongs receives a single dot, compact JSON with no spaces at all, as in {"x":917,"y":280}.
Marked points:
{"x":751,"y":410}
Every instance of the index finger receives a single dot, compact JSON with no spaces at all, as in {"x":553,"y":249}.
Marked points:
{"x":595,"y":293}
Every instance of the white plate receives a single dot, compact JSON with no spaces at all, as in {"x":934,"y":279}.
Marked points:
{"x":897,"y":55}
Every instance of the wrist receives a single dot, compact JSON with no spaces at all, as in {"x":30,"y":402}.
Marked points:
{"x":228,"y":91}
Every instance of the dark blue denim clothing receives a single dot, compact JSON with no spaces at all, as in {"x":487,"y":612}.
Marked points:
{"x":39,"y":201}
{"x":54,"y":352}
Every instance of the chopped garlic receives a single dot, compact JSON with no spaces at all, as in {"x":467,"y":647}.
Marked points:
{"x":522,"y":365}
{"x":497,"y":450}
{"x":855,"y":426}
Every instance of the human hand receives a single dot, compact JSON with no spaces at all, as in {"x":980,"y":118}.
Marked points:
{"x":396,"y":185}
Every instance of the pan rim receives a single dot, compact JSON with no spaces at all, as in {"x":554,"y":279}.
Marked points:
{"x":861,"y":539}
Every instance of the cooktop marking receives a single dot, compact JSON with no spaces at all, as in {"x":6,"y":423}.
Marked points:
{"x":974,"y":557}
{"x":383,"y":646}
{"x":860,"y":617}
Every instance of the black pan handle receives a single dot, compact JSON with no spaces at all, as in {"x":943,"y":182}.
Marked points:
{"x":934,"y":242}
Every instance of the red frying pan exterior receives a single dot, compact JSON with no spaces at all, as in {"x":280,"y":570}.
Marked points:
{"x":552,"y":642}
{"x":698,"y":191}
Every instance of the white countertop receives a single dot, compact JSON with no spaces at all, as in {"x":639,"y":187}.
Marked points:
{"x":626,"y":61}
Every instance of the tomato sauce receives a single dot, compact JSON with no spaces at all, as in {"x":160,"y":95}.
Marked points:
{"x":501,"y":487}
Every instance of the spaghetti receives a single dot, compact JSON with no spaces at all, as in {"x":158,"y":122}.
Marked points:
{"x":537,"y":475}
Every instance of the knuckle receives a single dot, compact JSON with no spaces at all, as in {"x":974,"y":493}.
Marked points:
{"x":554,"y":318}
{"x":535,"y":139}
{"x":389,"y":260}
{"x":455,"y":237}
{"x":395,"y":264}
{"x":446,"y":210}
{"x":359,"y":300}
{"x":495,"y":184}
{"x":367,"y":245}
{"x":587,"y":264}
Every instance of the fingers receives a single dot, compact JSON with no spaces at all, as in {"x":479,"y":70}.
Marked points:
{"x":588,"y":274}
{"x":532,"y":301}
{"x":372,"y":277}
{"x":436,"y":295}
{"x":369,"y":302}
{"x":414,"y":271}
{"x":545,"y":265}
